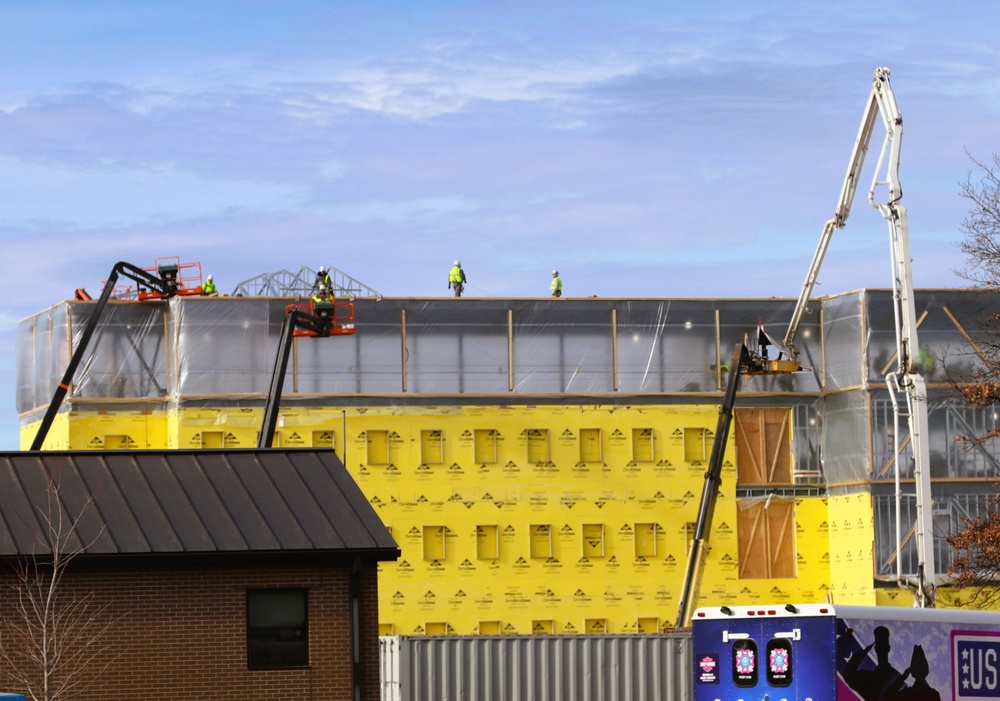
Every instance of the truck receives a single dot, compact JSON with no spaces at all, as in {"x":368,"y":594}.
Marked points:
{"x":827,"y":652}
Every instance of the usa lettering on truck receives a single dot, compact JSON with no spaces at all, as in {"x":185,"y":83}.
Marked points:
{"x":976,"y":665}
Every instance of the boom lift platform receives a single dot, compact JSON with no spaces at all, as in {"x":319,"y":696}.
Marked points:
{"x":905,"y":380}
{"x":314,"y":319}
{"x":179,"y":278}
{"x":156,"y":287}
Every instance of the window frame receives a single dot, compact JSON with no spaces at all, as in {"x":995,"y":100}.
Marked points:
{"x":254,"y":598}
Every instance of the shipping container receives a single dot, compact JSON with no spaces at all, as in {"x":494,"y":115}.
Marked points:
{"x":537,"y":668}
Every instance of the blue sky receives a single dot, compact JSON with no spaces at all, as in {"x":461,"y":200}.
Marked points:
{"x":646,"y":149}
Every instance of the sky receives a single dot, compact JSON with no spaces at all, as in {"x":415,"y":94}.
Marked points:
{"x":644,"y":148}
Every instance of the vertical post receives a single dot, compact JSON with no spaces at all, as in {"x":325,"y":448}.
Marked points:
{"x":402,"y":338}
{"x":614,"y":348}
{"x":863,"y":340}
{"x":510,"y":350}
{"x":718,"y":351}
{"x":295,"y":365}
{"x":822,"y":349}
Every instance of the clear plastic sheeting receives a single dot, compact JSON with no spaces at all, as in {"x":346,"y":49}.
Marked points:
{"x":130,"y":362}
{"x":42,"y":356}
{"x":560,"y":347}
{"x":225,"y":345}
{"x":668,"y":346}
{"x":133,"y":358}
{"x":443,"y":339}
{"x":843,"y":339}
{"x":225,"y":348}
{"x":846,"y":451}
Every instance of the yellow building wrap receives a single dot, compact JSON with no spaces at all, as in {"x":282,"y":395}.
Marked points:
{"x":532,"y":518}
{"x":851,"y":527}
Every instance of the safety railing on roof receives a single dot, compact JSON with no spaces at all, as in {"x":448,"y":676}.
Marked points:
{"x":285,"y":283}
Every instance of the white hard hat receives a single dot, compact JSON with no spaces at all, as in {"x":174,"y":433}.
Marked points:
{"x":555,"y":272}
{"x":209,"y":278}
{"x":457,"y":263}
{"x":322,"y":269}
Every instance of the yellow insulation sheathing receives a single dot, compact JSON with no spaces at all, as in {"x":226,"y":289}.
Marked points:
{"x":535,"y":519}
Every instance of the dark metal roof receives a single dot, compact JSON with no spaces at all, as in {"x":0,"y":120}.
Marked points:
{"x":178,"y":502}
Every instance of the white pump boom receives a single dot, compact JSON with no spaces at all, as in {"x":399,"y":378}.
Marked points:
{"x":906,"y":378}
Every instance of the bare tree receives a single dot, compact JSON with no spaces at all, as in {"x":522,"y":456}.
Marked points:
{"x":976,"y":567}
{"x":981,"y":226}
{"x":52,"y":635}
{"x":978,"y":382}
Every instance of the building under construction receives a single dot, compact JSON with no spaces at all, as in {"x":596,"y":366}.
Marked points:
{"x":540,"y":462}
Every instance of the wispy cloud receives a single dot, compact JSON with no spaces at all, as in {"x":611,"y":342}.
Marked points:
{"x":643,"y":148}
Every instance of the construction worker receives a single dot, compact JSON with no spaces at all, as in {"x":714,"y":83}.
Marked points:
{"x":323,"y":279}
{"x":209,"y":289}
{"x":323,"y":301}
{"x":556,"y":286}
{"x":456,"y":279}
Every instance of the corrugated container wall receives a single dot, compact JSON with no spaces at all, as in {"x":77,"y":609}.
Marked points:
{"x":537,"y":668}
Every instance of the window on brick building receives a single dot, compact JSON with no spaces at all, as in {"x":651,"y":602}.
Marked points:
{"x":277,"y":628}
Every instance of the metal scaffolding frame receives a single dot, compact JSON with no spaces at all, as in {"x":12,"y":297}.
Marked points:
{"x":285,"y":283}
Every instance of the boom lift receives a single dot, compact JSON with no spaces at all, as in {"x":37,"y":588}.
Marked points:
{"x":178,"y":279}
{"x":906,"y":378}
{"x":156,"y":287}
{"x":748,"y":359}
{"x":315,"y":319}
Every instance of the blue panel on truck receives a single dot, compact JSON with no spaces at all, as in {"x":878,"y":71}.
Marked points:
{"x":746,"y":657}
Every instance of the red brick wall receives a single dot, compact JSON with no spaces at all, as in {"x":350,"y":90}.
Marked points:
{"x":181,"y":633}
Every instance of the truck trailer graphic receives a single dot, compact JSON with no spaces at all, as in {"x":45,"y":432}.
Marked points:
{"x":822,"y":652}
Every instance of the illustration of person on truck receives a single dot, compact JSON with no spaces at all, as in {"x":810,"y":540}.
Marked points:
{"x":873,"y":684}
{"x":883,"y":682}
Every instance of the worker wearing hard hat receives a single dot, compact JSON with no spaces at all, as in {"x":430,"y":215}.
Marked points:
{"x":456,"y":279}
{"x":209,"y":289}
{"x":556,"y":286}
{"x":322,"y":279}
{"x":322,"y":301}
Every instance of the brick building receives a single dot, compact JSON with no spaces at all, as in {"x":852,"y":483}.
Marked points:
{"x":219,"y":574}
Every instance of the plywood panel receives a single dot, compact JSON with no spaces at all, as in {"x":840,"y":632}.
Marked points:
{"x":766,"y":538}
{"x":763,"y":446}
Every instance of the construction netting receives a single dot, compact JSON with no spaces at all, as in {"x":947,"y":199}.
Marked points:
{"x":676,"y":351}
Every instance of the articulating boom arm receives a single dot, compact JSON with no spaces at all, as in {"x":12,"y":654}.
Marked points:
{"x":742,"y":361}
{"x":906,"y":378}
{"x":292,"y":319}
{"x":322,"y":320}
{"x":881,"y":102}
{"x":122,"y":269}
